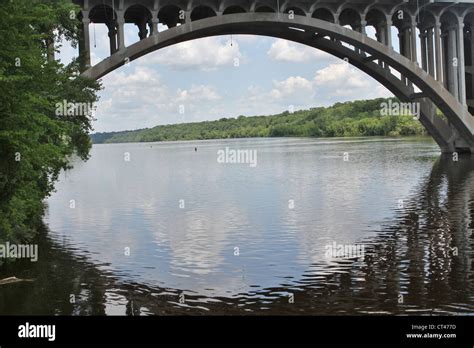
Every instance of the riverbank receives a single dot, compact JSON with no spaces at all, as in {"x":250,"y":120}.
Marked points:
{"x":350,"y":119}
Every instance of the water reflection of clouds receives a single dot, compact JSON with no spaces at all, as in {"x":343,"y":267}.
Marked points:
{"x":352,"y":197}
{"x":136,"y":204}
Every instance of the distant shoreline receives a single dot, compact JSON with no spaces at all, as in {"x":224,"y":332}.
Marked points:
{"x":365,"y":137}
{"x":351,"y":119}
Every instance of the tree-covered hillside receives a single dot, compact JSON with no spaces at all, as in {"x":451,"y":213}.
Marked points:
{"x":358,"y":118}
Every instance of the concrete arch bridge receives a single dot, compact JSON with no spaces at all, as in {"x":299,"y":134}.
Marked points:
{"x":434,"y":65}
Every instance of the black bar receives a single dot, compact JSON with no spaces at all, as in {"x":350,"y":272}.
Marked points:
{"x":372,"y":330}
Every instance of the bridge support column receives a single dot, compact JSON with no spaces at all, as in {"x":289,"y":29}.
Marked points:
{"x":461,"y":63}
{"x":121,"y":32}
{"x":424,"y":53}
{"x":444,"y":50}
{"x":388,"y":32}
{"x":438,"y":55}
{"x":431,"y":65}
{"x":414,"y":56}
{"x":401,"y":45}
{"x":471,"y":86}
{"x":380,"y":35}
{"x":407,"y":43}
{"x":388,"y":37}
{"x":361,"y":28}
{"x":154,"y":23}
{"x":452,"y":62}
{"x":142,"y":31}
{"x":85,"y":44}
{"x":113,"y":38}
{"x":405,"y":46}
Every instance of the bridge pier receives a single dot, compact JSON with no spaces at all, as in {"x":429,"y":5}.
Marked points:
{"x":413,"y":45}
{"x":452,"y":61}
{"x":470,"y":89}
{"x":389,"y":33}
{"x":84,"y":44}
{"x":121,"y":32}
{"x":438,"y":51}
{"x":113,"y":38}
{"x":461,"y":62}
{"x":154,"y":25}
{"x":142,"y":30}
{"x":405,"y":47}
{"x":423,"y":47}
{"x":430,"y":51}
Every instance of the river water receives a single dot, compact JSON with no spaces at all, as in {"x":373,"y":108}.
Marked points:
{"x":166,"y":228}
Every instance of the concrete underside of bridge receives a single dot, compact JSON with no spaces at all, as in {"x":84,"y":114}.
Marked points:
{"x":453,"y":133}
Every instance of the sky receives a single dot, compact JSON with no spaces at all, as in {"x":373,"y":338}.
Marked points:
{"x":216,"y":77}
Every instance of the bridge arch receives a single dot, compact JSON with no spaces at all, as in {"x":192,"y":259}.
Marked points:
{"x":210,"y":4}
{"x":347,"y":5}
{"x":268,"y":4}
{"x":169,"y":15}
{"x":375,"y":17}
{"x":323,"y":14}
{"x":245,"y":4}
{"x":455,"y":134}
{"x":265,"y":8}
{"x":350,"y":17}
{"x":448,"y":17}
{"x":468,"y":17}
{"x":202,"y":12}
{"x":105,"y":14}
{"x":376,"y":6}
{"x":141,"y":6}
{"x":297,"y":11}
{"x":401,"y":9}
{"x":141,"y":16}
{"x":427,"y":18}
{"x":98,"y":13}
{"x":401,"y":18}
{"x":234,"y":9}
{"x":466,"y":12}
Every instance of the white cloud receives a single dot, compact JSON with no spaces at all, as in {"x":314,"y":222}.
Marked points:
{"x":287,"y":51}
{"x":197,"y":94}
{"x":294,"y":85}
{"x":344,"y":80}
{"x":334,"y":74}
{"x":138,"y":98}
{"x":202,"y":54}
{"x":141,"y":76}
{"x":294,"y":91}
{"x":335,"y":83}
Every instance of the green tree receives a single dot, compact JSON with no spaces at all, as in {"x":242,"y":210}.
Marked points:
{"x":358,"y":118}
{"x":36,"y":143}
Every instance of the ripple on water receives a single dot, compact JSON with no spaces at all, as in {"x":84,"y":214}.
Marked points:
{"x":234,"y":239}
